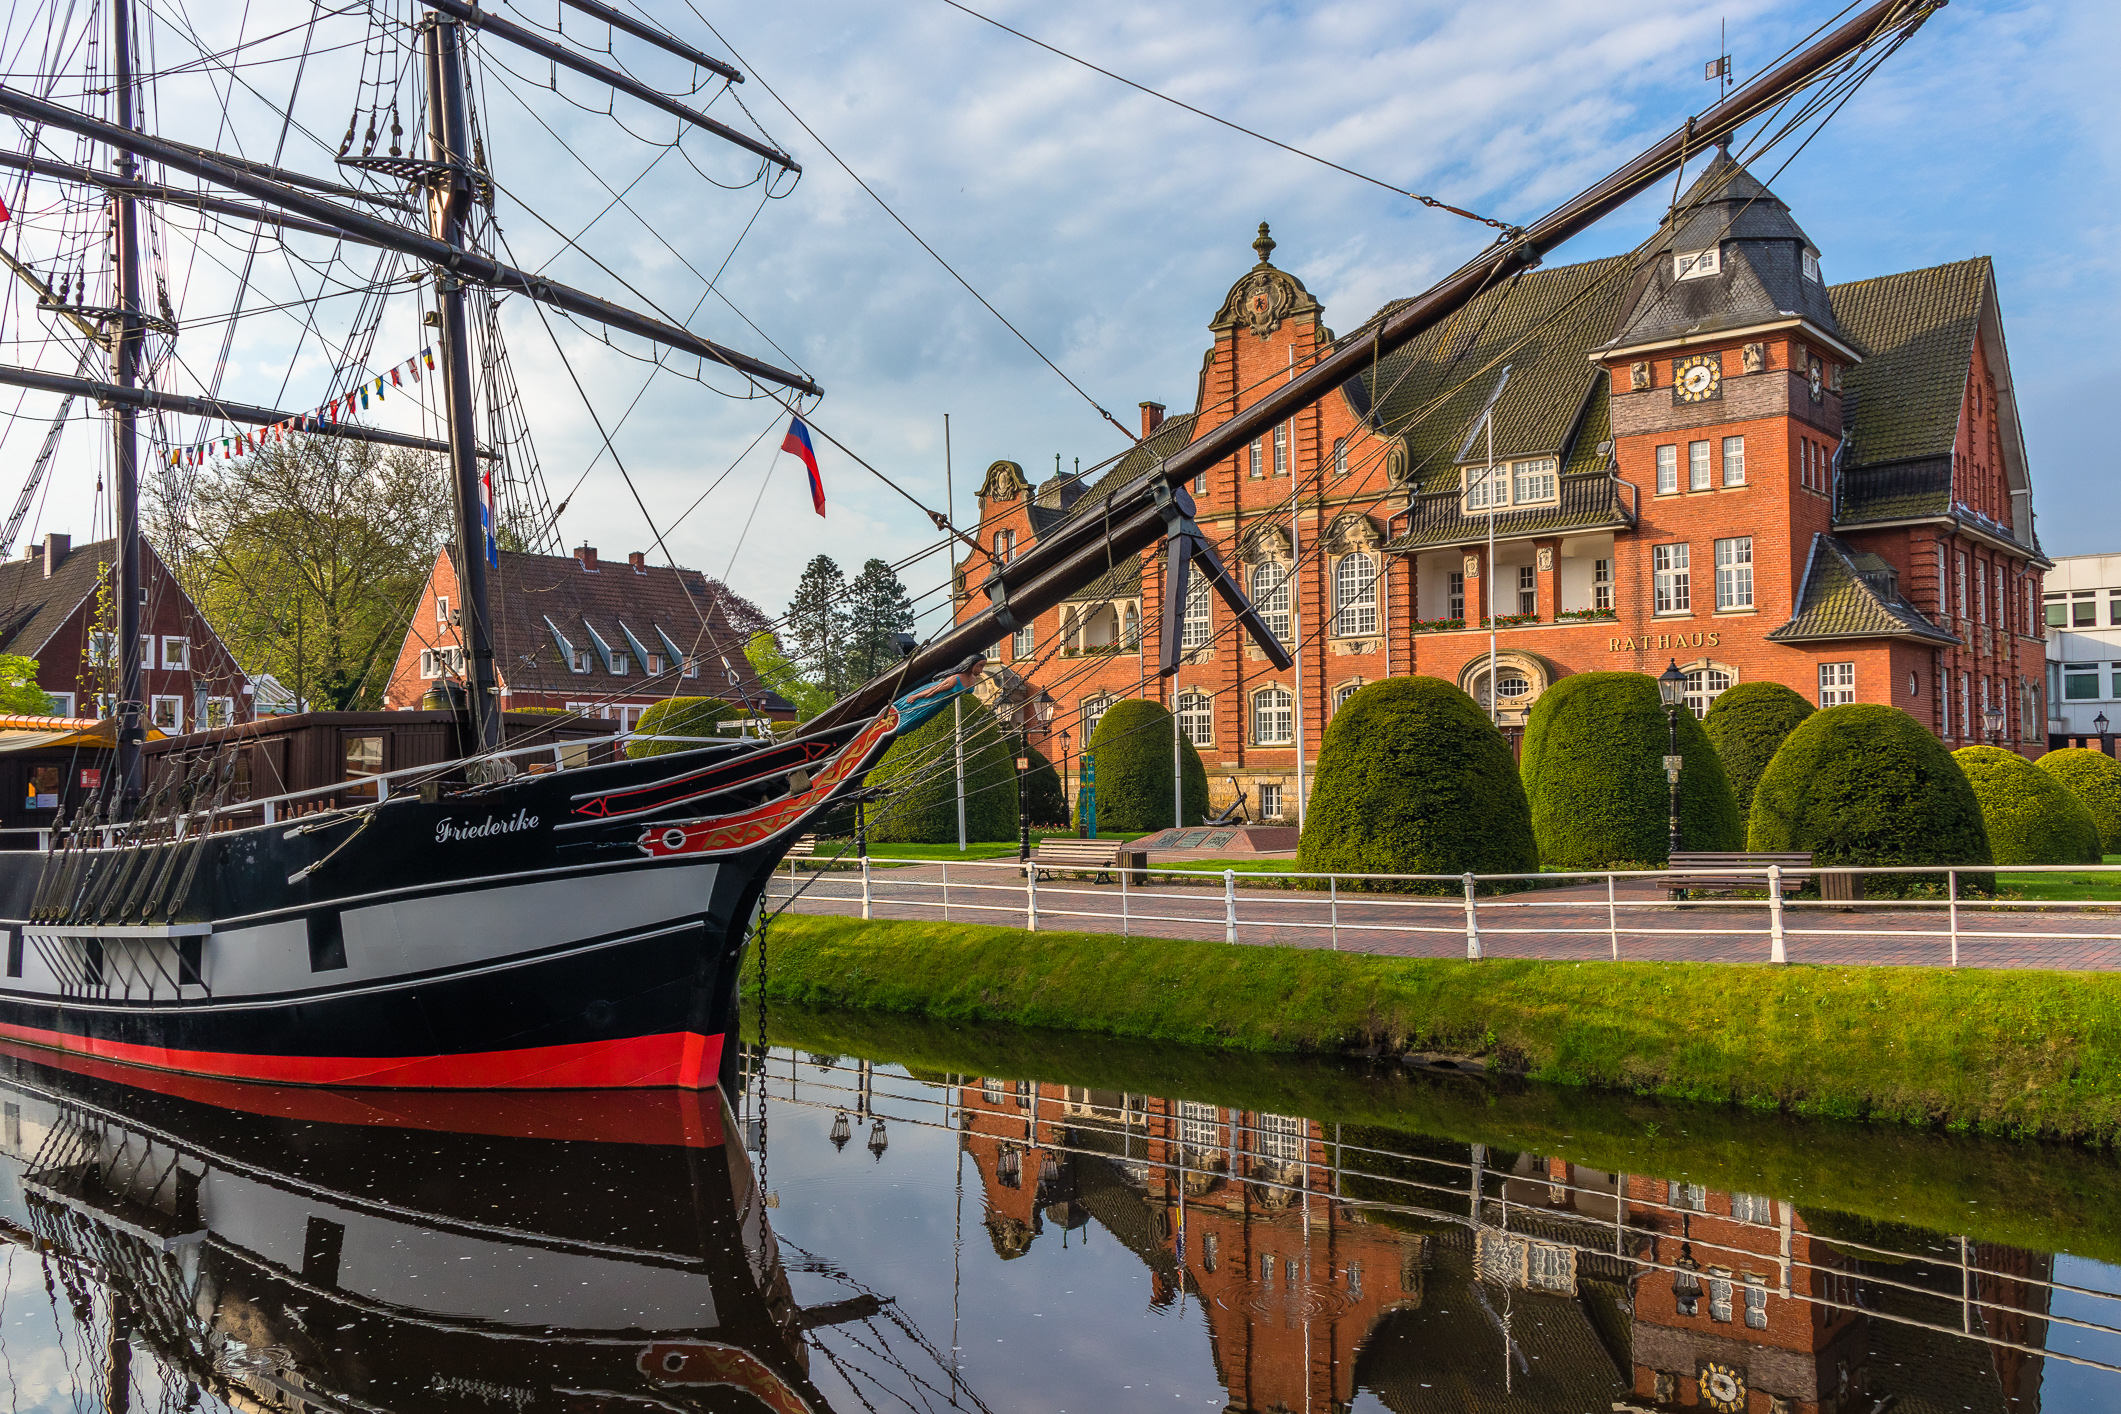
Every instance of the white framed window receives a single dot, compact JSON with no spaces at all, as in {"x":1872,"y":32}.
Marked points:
{"x":1255,"y":460}
{"x":1697,"y":466}
{"x":1668,"y":469}
{"x":581,"y":660}
{"x":62,"y":703}
{"x":1601,"y":584}
{"x":441,"y":611}
{"x":620,"y":664}
{"x":1199,"y":1127}
{"x":1273,"y":718}
{"x":1282,"y":1138}
{"x":1691,"y":1196}
{"x":1270,"y":801}
{"x":1198,"y":630}
{"x":1980,"y":595}
{"x":1354,"y":595}
{"x":1486,"y":488}
{"x":1705,"y":685}
{"x":1093,"y":709}
{"x":1669,"y":576}
{"x":1966,"y":706}
{"x":1960,"y":591}
{"x":1281,"y":449}
{"x":1734,"y":572}
{"x":1200,"y":484}
{"x":428,"y":667}
{"x":1756,"y":1288}
{"x":1455,"y":605}
{"x":1837,"y":684}
{"x":654,"y":666}
{"x":1533,"y":482}
{"x":1527,"y":590}
{"x":1719,"y":1294}
{"x":1270,"y":595}
{"x":1340,"y":456}
{"x":1694,"y":264}
{"x":1196,"y":717}
{"x":102,"y":649}
{"x":1347,"y":690}
{"x":1734,"y":461}
{"x":220,"y":712}
{"x":1004,"y":546}
{"x":1024,"y":642}
{"x":1811,"y":266}
{"x":1753,"y":1208}
{"x":167,"y":713}
{"x":692,"y":667}
{"x":1130,"y":628}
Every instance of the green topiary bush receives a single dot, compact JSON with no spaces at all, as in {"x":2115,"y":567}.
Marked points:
{"x":1593,"y":769}
{"x":1132,"y":745}
{"x":1045,"y":803}
{"x":2095,"y":779}
{"x":679,"y":716}
{"x":1864,"y":783}
{"x":1414,"y":779}
{"x":2031,"y":817}
{"x":918,"y":776}
{"x":1746,"y":724}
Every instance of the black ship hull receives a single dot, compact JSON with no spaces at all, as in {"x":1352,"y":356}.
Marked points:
{"x":578,"y":929}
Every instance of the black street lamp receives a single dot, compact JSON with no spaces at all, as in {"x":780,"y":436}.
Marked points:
{"x":2099,"y":725}
{"x":1992,"y":721}
{"x":1671,"y":686}
{"x":1067,"y":805}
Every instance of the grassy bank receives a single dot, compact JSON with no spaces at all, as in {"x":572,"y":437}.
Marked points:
{"x":2045,"y":1196}
{"x":2011,"y":1053}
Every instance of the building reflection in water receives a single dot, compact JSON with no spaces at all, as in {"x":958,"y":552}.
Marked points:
{"x":1329,"y":1260}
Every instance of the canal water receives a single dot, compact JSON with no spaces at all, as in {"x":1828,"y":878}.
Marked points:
{"x":922,"y":1219}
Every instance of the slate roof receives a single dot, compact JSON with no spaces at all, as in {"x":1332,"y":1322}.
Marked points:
{"x":1844,"y":595}
{"x":547,"y":605}
{"x":33,"y":608}
{"x":1174,"y":434}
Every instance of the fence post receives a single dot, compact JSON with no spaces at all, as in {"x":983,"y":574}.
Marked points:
{"x":1031,"y":898}
{"x":946,"y":891}
{"x":1229,"y":905}
{"x":1612,"y":916}
{"x":1776,"y":951}
{"x":865,"y":888}
{"x":1333,"y":908}
{"x":1951,"y":887}
{"x":1123,"y":901}
{"x":1472,"y":923}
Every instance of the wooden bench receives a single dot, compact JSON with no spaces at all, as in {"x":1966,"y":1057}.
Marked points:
{"x":805,"y":847}
{"x":1083,"y":856}
{"x":1748,"y":873}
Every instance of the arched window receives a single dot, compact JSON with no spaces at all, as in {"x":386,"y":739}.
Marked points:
{"x":1273,"y":717}
{"x":1340,"y":456}
{"x":1345,"y":691}
{"x":1130,"y":631}
{"x":1199,"y":627}
{"x":1270,"y":595}
{"x":1196,"y":717}
{"x":1705,"y":684}
{"x":1354,"y":595}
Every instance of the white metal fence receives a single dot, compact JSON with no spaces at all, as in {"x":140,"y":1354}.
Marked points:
{"x":1629,"y":912}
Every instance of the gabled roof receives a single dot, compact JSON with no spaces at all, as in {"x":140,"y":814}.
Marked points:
{"x":1917,"y":329}
{"x":542,"y":601}
{"x":33,"y":608}
{"x":1174,"y":434}
{"x":1850,"y":595}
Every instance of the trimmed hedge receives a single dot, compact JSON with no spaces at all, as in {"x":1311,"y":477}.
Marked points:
{"x":1414,"y":779}
{"x":1045,"y":803}
{"x":1746,"y":724}
{"x":1864,"y":783}
{"x":679,"y":716}
{"x":1593,"y":769}
{"x":2030,"y":816}
{"x":1132,"y":745}
{"x":2095,"y":779}
{"x":919,"y":778}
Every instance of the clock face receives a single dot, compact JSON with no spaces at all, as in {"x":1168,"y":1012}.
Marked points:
{"x":1697,"y":379}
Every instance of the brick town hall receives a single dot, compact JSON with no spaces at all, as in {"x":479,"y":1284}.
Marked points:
{"x":1702,"y":452}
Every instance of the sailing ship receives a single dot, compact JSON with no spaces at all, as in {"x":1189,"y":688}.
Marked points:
{"x":580,"y":927}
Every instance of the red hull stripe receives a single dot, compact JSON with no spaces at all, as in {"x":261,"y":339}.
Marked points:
{"x":680,"y":1058}
{"x":667,"y":1116}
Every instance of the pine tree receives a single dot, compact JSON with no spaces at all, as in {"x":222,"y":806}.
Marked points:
{"x":877,"y":609}
{"x":816,"y":630}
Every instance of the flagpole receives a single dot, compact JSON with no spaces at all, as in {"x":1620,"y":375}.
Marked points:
{"x":957,"y":703}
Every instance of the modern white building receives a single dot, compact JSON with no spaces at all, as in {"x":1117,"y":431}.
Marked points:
{"x":2083,"y":645}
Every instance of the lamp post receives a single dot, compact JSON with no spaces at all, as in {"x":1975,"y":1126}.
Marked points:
{"x":1671,"y":686}
{"x":1992,"y":721}
{"x":1067,"y":805}
{"x":2099,"y":725}
{"x":1023,"y":798}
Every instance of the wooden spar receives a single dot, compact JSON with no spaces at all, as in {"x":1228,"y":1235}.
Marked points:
{"x":1129,"y":519}
{"x":155,"y":400}
{"x":297,"y":179}
{"x":168,"y":196}
{"x":377,"y":231}
{"x":487,"y":22}
{"x":127,"y":586}
{"x":640,"y":29}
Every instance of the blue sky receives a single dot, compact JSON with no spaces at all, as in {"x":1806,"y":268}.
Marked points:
{"x":1107,"y":226}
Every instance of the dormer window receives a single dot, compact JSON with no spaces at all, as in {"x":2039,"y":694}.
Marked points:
{"x":1694,"y":264}
{"x":618,"y":665}
{"x":1811,"y":266}
{"x":581,"y":660}
{"x":655,"y":664}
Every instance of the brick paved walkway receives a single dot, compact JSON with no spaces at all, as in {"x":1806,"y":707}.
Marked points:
{"x":1568,"y":922}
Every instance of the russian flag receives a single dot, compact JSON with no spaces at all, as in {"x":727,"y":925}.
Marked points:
{"x":798,"y":442}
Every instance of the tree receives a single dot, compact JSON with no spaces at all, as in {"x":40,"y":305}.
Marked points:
{"x":19,"y":693}
{"x":2094,"y":778}
{"x":918,"y":776}
{"x":1414,"y":779}
{"x":2031,"y":817}
{"x":1132,"y":746}
{"x":306,"y":556}
{"x":1866,"y":784}
{"x":764,"y":654}
{"x":1593,"y":769}
{"x":816,"y":628}
{"x":1746,"y":724}
{"x":877,"y":611}
{"x":679,"y":717}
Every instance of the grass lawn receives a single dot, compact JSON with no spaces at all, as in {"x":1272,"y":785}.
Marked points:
{"x":2105,"y":888}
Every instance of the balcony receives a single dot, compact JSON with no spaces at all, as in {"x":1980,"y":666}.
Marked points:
{"x":1588,"y":501}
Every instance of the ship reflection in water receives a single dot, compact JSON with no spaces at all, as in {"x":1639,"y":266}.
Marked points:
{"x":954,"y":1242}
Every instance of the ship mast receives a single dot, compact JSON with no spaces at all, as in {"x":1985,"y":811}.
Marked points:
{"x":125,"y":436}
{"x":449,"y":196}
